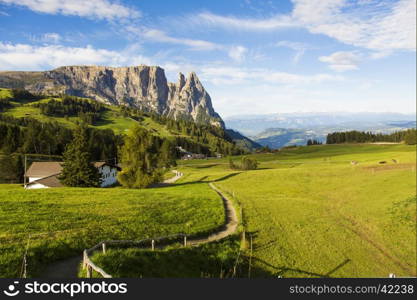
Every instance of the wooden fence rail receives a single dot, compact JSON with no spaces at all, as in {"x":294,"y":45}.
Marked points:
{"x":145,"y":243}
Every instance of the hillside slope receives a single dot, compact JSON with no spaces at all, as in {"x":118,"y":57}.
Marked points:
{"x":66,"y":111}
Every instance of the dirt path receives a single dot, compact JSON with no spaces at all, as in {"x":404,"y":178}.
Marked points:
{"x":68,"y":268}
{"x":227,"y":229}
{"x":177,"y":176}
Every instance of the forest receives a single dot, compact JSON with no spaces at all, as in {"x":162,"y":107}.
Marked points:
{"x":407,"y":136}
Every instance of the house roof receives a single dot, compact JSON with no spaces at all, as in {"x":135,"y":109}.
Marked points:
{"x":44,"y":169}
{"x":48,"y":168}
{"x":99,"y":164}
{"x":50,"y":181}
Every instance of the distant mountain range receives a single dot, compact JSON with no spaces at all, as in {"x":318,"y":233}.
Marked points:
{"x":279,"y":130}
{"x":242,"y":141}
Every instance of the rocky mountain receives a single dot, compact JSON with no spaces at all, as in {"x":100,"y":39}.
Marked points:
{"x":143,"y":87}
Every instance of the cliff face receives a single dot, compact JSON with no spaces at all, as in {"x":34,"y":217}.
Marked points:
{"x":143,"y":87}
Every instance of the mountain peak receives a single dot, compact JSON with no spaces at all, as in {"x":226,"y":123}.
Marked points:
{"x":143,"y":87}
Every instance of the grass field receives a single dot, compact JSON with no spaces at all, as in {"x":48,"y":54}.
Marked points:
{"x":310,"y":212}
{"x":215,"y":259}
{"x":313,"y":214}
{"x":62,"y":222}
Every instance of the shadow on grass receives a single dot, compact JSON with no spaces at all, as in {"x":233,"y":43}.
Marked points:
{"x":283,"y":271}
{"x":205,"y":166}
{"x":203,"y":179}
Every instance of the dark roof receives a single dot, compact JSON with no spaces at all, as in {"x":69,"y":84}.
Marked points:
{"x":44,"y":169}
{"x":50,"y":181}
{"x":99,"y":164}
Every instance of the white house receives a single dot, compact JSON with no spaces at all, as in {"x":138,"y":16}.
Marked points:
{"x":45,"y":174}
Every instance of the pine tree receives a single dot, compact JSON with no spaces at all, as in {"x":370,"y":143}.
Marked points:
{"x":410,"y":137}
{"x":77,"y":167}
{"x":140,"y":160}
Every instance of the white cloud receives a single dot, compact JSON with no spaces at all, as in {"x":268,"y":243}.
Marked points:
{"x":160,"y":36}
{"x":231,"y":22}
{"x":219,"y":75}
{"x":299,"y":48}
{"x":379,"y":26}
{"x":51,"y":37}
{"x":342,"y":61}
{"x":47,"y":38}
{"x":96,"y":9}
{"x":28,"y":57}
{"x":238,"y":53}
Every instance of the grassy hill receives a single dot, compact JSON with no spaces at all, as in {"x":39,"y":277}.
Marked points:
{"x":110,"y":118}
{"x":67,"y":111}
{"x":60,"y":223}
{"x":314,"y":214}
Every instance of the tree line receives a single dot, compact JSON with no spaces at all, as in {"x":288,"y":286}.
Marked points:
{"x":88,"y":111}
{"x":407,"y":136}
{"x":311,"y":142}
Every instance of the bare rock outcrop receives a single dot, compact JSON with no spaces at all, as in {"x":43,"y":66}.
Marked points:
{"x":143,"y":87}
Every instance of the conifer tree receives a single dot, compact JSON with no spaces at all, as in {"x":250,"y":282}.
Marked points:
{"x":140,"y":159}
{"x":77,"y":167}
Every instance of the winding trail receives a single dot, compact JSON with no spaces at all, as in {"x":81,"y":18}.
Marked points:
{"x":177,"y":176}
{"x":68,"y":268}
{"x":228,"y":228}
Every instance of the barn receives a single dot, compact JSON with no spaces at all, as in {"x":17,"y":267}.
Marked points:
{"x":45,"y":174}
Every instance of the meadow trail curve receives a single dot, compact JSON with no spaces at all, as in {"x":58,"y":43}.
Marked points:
{"x":227,"y":229}
{"x":177,"y":176}
{"x":68,"y":268}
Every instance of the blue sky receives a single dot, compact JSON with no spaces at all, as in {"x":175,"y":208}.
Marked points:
{"x":253,"y":57}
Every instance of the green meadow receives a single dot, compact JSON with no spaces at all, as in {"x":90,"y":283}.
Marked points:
{"x":59,"y":223}
{"x":309,"y":211}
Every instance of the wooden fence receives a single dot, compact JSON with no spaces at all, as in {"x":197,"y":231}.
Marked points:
{"x":151,"y":243}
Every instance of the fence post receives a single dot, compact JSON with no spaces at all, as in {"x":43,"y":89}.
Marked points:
{"x":185,"y":241}
{"x":89,"y":271}
{"x":250,"y":257}
{"x":104,"y":247}
{"x":243,"y":243}
{"x":153,"y":245}
{"x":84,"y":259}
